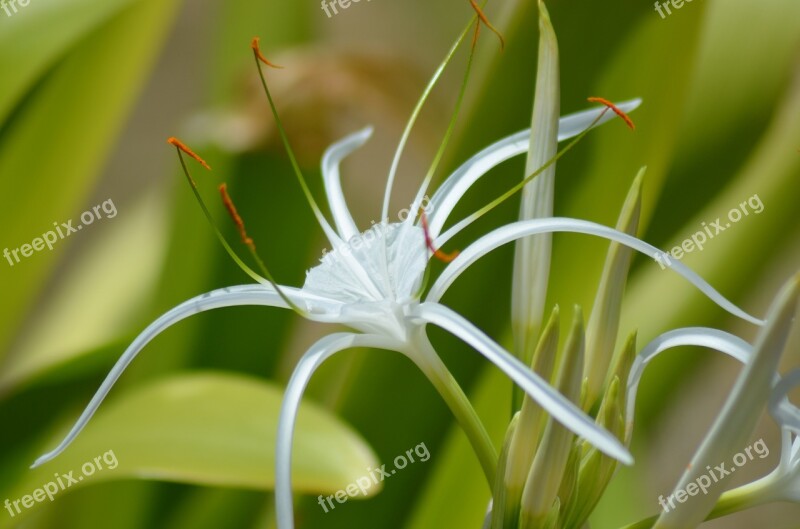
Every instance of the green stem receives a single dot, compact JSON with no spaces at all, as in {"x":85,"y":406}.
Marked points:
{"x":735,"y":500}
{"x":426,"y":358}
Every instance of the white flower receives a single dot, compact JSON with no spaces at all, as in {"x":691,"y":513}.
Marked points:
{"x":373,"y":283}
{"x":758,"y":384}
{"x":373,"y":287}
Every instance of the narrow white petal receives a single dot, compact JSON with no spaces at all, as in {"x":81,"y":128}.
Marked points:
{"x":333,"y":183}
{"x":786,"y":413}
{"x":516,"y":230}
{"x":224,"y":297}
{"x":739,"y":416}
{"x":308,"y":364}
{"x":551,"y":400}
{"x":458,"y":183}
{"x":692,"y":336}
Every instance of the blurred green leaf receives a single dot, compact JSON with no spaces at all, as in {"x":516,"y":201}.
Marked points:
{"x":655,"y":64}
{"x":207,"y":428}
{"x":53,"y":149}
{"x":60,"y":333}
{"x":39,"y":35}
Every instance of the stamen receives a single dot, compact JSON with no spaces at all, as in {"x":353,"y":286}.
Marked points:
{"x":237,"y":219}
{"x":182,"y":146}
{"x":439,"y":254}
{"x":387,"y":195}
{"x":489,"y":25}
{"x":333,"y":238}
{"x":254,"y":44}
{"x":476,"y":35}
{"x":628,"y":121}
{"x":267,"y":279}
{"x":452,"y":124}
{"x":508,"y":194}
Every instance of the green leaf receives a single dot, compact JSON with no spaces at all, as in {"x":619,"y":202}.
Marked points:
{"x":59,"y":333}
{"x":40,"y":34}
{"x":655,"y":63}
{"x":54,"y":148}
{"x":208,"y":428}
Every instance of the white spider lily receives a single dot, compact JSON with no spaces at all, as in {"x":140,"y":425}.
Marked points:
{"x":373,"y":283}
{"x":783,"y":483}
{"x":737,"y":421}
{"x":374,"y":288}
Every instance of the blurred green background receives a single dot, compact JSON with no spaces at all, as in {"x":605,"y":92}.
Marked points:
{"x":90,"y":90}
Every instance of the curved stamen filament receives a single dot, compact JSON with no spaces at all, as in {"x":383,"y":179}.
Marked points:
{"x":508,"y":194}
{"x":483,"y":18}
{"x":182,"y":149}
{"x":453,"y":118}
{"x":237,"y":220}
{"x":326,"y":227}
{"x":415,"y":114}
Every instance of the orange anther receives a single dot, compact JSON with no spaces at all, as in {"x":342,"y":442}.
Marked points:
{"x":628,"y":121}
{"x":182,"y":146}
{"x":257,"y":50}
{"x":440,"y":255}
{"x":237,"y":219}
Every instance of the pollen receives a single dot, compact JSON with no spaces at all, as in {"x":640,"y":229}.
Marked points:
{"x":260,"y":56}
{"x":182,"y":146}
{"x":628,"y":121}
{"x":437,"y":253}
{"x":237,"y":219}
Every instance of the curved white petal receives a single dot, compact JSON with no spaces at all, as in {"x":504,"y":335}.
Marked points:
{"x":517,"y":230}
{"x":694,"y":336}
{"x":224,"y":297}
{"x":780,"y":407}
{"x":308,"y":364}
{"x":739,"y":416}
{"x":549,"y":398}
{"x":333,"y":183}
{"x":458,"y":183}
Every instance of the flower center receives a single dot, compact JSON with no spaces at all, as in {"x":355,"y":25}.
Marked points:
{"x":386,"y":262}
